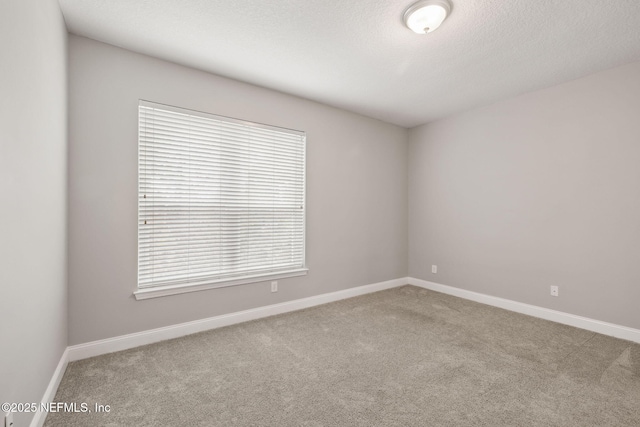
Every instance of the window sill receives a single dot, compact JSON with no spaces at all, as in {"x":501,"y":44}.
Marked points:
{"x":161,"y":291}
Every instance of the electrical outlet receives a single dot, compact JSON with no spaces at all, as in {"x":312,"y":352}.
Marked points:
{"x":274,"y":286}
{"x":8,"y":419}
{"x":554,"y":291}
{"x":434,"y":269}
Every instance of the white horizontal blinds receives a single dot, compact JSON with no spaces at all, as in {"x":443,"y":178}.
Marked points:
{"x":218,"y":198}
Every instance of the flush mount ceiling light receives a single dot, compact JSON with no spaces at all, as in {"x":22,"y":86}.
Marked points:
{"x":426,"y":16}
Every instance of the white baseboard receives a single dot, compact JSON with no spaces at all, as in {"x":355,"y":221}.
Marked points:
{"x":598,"y":326}
{"x":124,"y":342}
{"x":52,"y":388}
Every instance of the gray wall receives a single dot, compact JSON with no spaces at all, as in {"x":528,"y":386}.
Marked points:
{"x":356,"y":191}
{"x":539,"y":190}
{"x":33,"y":150}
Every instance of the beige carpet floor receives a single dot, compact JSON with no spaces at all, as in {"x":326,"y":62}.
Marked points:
{"x":402,"y":357}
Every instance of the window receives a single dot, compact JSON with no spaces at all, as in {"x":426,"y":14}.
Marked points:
{"x":221,"y":201}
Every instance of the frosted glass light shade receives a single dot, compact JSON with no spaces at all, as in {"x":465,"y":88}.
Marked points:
{"x":427,"y":15}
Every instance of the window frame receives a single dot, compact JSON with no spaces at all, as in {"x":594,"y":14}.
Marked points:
{"x":147,"y":292}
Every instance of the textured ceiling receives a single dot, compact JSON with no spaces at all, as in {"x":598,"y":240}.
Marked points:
{"x":359,"y":56}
